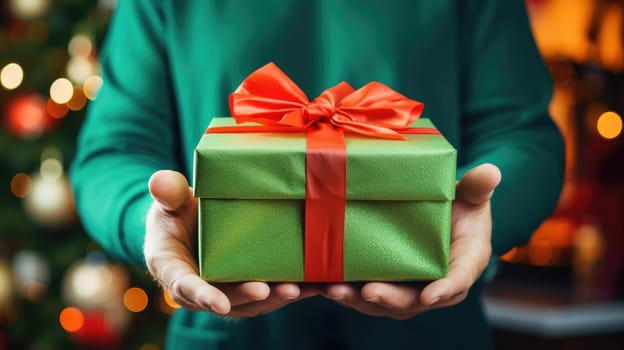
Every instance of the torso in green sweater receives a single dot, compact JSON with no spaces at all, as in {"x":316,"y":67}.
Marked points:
{"x":169,"y":66}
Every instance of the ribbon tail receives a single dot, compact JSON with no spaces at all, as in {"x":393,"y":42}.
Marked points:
{"x":326,"y":162}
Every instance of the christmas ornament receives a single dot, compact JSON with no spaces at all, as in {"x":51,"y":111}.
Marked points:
{"x":32,"y":274}
{"x":50,"y":202}
{"x":97,"y":331}
{"x":94,"y":285}
{"x":26,"y":116}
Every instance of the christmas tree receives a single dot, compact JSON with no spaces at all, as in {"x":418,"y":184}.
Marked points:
{"x":58,"y":290}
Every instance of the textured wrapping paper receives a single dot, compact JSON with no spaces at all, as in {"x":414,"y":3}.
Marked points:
{"x":251,"y":189}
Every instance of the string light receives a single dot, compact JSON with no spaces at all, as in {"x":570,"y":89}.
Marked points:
{"x":61,"y":90}
{"x":92,"y":86}
{"x":11,"y":76}
{"x":135,"y":299}
{"x":71,"y":319}
{"x":21,"y":184}
{"x":609,"y":125}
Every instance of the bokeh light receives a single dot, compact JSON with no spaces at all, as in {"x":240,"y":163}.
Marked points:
{"x":50,"y":202}
{"x":170,"y":302}
{"x":166,"y":304}
{"x":51,"y":169}
{"x":26,"y":116}
{"x":71,"y":319}
{"x":11,"y":76}
{"x":36,"y":291}
{"x":28,"y":9}
{"x":21,"y":184}
{"x":79,"y":69}
{"x":89,"y":280}
{"x":55,"y":110}
{"x":92,"y":86}
{"x":61,"y":90}
{"x":80,"y":45}
{"x":135,"y":299}
{"x":540,"y":253}
{"x":609,"y":125}
{"x":78,"y":100}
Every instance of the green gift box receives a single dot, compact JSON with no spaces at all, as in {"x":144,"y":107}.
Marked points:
{"x":251,"y":189}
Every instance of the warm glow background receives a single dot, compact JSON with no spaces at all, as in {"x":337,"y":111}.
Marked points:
{"x":58,"y":290}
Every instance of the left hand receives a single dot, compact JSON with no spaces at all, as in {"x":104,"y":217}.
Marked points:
{"x":470,"y":253}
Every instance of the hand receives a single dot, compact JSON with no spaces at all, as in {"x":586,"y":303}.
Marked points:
{"x":170,"y":241}
{"x":471,"y":248}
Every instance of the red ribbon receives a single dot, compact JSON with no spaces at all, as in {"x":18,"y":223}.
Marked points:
{"x":269,"y":97}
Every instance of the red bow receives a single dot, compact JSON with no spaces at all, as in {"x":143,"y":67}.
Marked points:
{"x":268,"y":96}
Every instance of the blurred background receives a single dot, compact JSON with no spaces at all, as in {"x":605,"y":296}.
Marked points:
{"x":58,"y":290}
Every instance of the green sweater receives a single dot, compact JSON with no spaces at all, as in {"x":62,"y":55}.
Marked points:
{"x":168,"y":67}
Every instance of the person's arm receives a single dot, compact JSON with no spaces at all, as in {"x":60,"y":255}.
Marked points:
{"x":507,"y":90}
{"x":130,"y":134}
{"x":127,"y":134}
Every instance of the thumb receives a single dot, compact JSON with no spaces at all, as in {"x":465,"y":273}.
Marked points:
{"x":169,"y":188}
{"x":478,"y":184}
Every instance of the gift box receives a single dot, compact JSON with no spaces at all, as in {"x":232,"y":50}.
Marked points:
{"x":254,"y":196}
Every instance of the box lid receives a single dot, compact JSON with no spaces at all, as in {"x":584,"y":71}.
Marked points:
{"x":272,"y":166}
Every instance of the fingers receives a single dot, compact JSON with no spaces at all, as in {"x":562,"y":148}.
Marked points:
{"x":478,"y":184}
{"x":470,"y":254}
{"x":396,"y":301}
{"x":170,"y":189}
{"x":193,"y":293}
{"x":242,"y":293}
{"x":392,"y":296}
{"x":457,"y":283}
{"x":281,"y":294}
{"x":349,"y":295}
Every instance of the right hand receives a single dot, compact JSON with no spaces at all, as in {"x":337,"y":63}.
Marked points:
{"x":170,"y":243}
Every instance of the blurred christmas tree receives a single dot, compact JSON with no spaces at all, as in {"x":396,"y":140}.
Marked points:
{"x":57,"y":289}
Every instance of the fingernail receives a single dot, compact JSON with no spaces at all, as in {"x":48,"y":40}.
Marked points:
{"x":373,"y":300}
{"x":288,"y":298}
{"x":215,"y":308}
{"x":433,"y":301}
